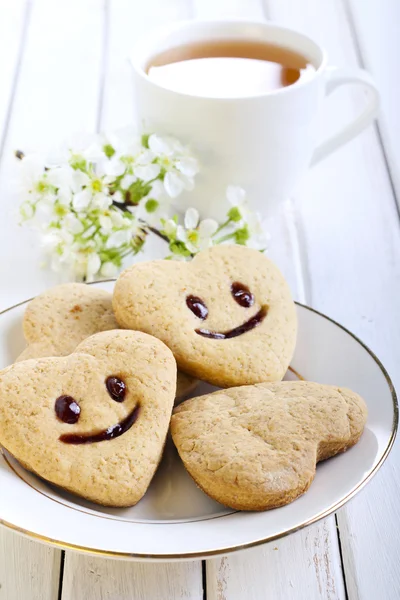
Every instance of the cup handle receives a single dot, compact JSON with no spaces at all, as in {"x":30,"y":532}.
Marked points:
{"x":336,"y":77}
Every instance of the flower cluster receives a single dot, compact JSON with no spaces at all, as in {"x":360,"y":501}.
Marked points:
{"x":96,"y":199}
{"x":241,"y":226}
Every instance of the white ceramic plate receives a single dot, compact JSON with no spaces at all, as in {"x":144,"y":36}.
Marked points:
{"x":175,"y":520}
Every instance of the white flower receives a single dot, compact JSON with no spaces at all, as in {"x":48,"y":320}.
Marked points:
{"x":79,"y":147}
{"x":73,"y":224}
{"x":117,"y":219}
{"x":259,"y":237}
{"x":153,"y":210}
{"x":119,"y":238}
{"x":90,"y":231}
{"x":237,"y":198}
{"x":147,"y":172}
{"x":101,"y":201}
{"x":79,"y":180}
{"x":124,"y":141}
{"x":236,"y":195}
{"x":188,"y":166}
{"x":59,"y":238}
{"x":207,"y":228}
{"x":196,"y":235}
{"x":45,"y":207}
{"x":175,"y":183}
{"x":127,"y":154}
{"x":191,"y":218}
{"x":178,"y":166}
{"x":32,"y":175}
{"x":81,"y":200}
{"x":127,"y":181}
{"x":108,"y":269}
{"x":86,"y":145}
{"x":112,"y":167}
{"x":93,"y":265}
{"x":162,"y":145}
{"x":106,"y":223}
{"x":170,"y":227}
{"x":76,"y":199}
{"x":50,"y":241}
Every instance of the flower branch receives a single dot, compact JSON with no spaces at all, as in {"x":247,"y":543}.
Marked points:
{"x":96,"y":201}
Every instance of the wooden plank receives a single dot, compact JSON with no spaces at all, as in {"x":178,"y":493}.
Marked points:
{"x":227,"y":9}
{"x":303,"y":566}
{"x":14,"y":21}
{"x":306,"y":565}
{"x":27,"y":569}
{"x":350,"y":239}
{"x":55,"y":90}
{"x":56,"y":95}
{"x":87,"y":578}
{"x":377,"y":28}
{"x":127,"y":21}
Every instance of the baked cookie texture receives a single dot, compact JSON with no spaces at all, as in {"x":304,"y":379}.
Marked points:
{"x":115,"y":471}
{"x":256,"y":447}
{"x":59,"y":319}
{"x":227,"y":315}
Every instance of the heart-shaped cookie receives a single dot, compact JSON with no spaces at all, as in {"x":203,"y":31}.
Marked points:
{"x":256,"y":447}
{"x":93,"y":422}
{"x":60,"y":318}
{"x":227,"y":315}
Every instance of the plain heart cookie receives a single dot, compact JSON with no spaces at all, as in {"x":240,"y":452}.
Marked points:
{"x":227,"y":315}
{"x":256,"y":447}
{"x":59,"y":319}
{"x":94,"y":422}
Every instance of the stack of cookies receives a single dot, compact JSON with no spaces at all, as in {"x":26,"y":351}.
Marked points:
{"x":89,"y":403}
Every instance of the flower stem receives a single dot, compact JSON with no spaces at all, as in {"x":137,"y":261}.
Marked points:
{"x":222,"y":226}
{"x":224,"y":238}
{"x":156,"y":232}
{"x":121,"y":205}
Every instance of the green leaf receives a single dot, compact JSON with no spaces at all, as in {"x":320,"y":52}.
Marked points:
{"x":178,"y":247}
{"x":137,"y":191}
{"x":234,"y":214}
{"x":108,"y":150}
{"x":78,"y":163}
{"x":151,"y":205}
{"x":145,"y":140}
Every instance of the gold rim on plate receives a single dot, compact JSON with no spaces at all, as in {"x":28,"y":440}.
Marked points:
{"x":219,"y":551}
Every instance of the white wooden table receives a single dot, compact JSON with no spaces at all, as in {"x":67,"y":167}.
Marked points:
{"x":63,"y":68}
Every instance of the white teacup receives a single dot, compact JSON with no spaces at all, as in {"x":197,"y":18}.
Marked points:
{"x":263,"y":142}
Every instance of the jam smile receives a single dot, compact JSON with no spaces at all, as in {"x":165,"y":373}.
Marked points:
{"x":110,"y":433}
{"x":246,"y":326}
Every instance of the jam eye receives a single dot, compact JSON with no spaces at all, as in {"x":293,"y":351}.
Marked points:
{"x":241,"y":294}
{"x":116,"y":388}
{"x":67,"y":409}
{"x":197,"y":306}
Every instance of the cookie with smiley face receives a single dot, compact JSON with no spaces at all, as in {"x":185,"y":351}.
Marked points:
{"x":59,"y":319}
{"x":227,"y":315}
{"x":94,"y":422}
{"x":256,"y":447}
